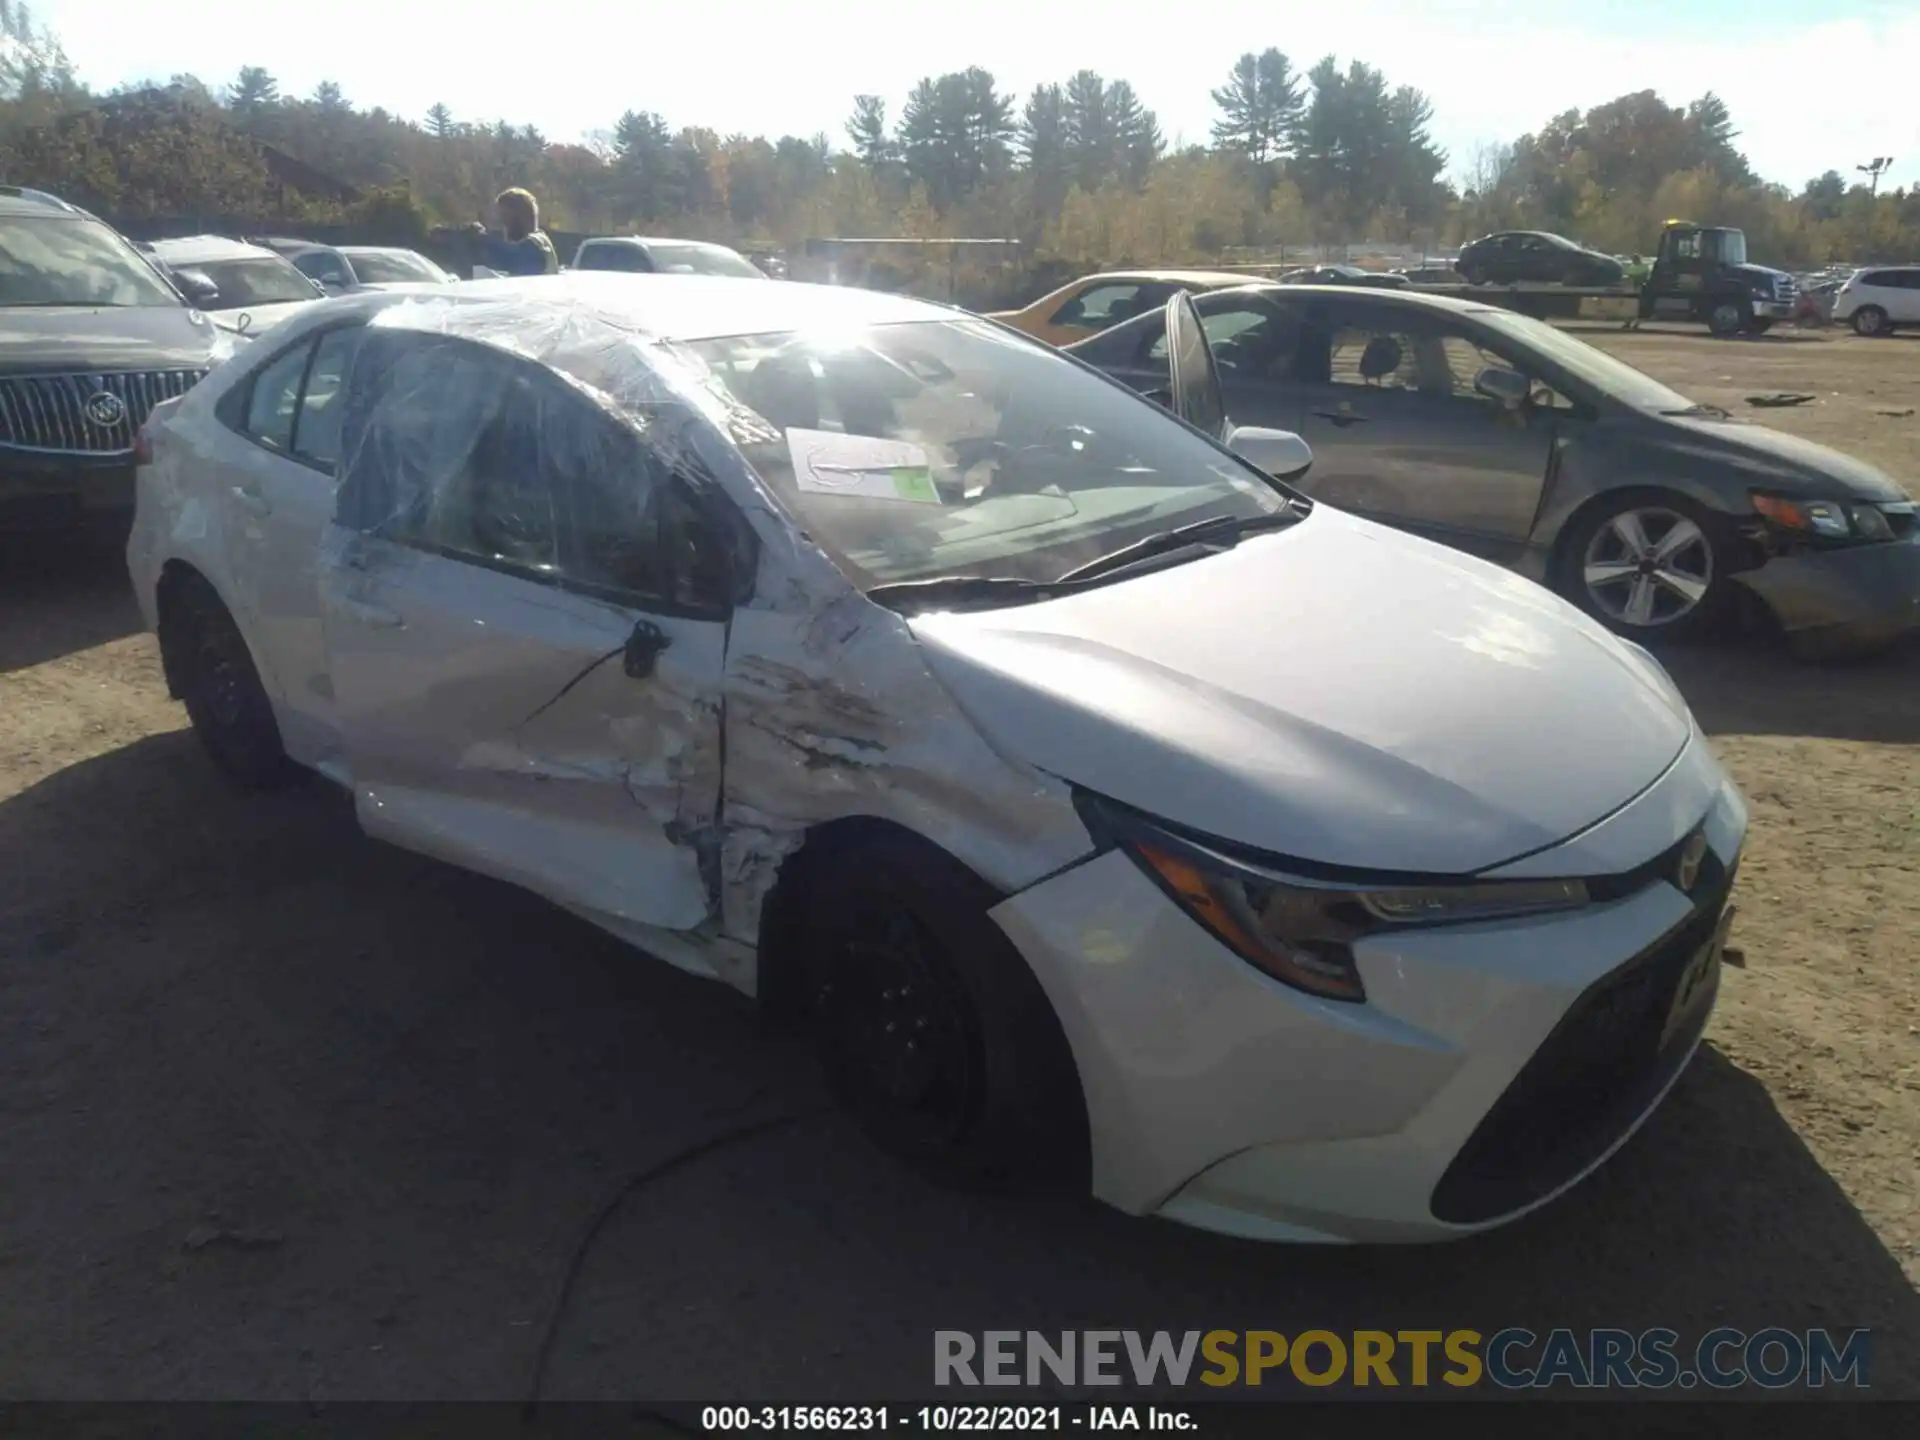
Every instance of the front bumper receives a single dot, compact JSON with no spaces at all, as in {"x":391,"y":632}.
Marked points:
{"x":1844,"y":601}
{"x":1773,"y":309}
{"x":55,"y":490}
{"x":1450,"y":1102}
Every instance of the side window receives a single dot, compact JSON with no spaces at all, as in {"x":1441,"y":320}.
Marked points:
{"x":472,"y":454}
{"x":442,"y":446}
{"x":316,"y":438}
{"x":632,"y":525}
{"x":607,"y":480}
{"x":1687,"y":247}
{"x":496,"y":503}
{"x":273,"y":399}
{"x":1099,"y":306}
{"x":1458,"y":363}
{"x":1248,"y":341}
{"x":1879,"y":278}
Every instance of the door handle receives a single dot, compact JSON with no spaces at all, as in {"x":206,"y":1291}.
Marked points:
{"x":252,"y":500}
{"x":643,"y":649}
{"x":1341,"y":419}
{"x":374,"y":617}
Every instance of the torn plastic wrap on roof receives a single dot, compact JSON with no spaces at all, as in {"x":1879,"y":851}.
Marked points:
{"x":428,"y":410}
{"x":607,"y":473}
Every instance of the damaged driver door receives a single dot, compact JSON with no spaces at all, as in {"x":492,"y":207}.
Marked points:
{"x":525,"y":643}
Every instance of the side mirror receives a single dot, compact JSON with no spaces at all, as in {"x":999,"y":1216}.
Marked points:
{"x":197,"y":286}
{"x":1279,"y":453}
{"x":1509,"y":387}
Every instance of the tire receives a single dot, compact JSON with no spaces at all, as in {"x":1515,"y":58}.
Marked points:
{"x":1473,"y":275}
{"x":1679,"y":596}
{"x":1871,"y":322}
{"x":1728,"y":316}
{"x":931,"y":1029}
{"x":208,"y":659}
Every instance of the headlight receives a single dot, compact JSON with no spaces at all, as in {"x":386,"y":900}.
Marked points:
{"x":1871,"y":522}
{"x":1831,"y":519}
{"x":1300,"y":930}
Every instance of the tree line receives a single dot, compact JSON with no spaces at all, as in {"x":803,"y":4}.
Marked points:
{"x":1079,"y":170}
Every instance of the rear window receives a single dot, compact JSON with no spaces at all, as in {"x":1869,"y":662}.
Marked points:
{"x":685,"y":259}
{"x":395,"y":268}
{"x":618,"y":255}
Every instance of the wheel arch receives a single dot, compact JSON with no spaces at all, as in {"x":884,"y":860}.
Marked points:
{"x":780,"y":982}
{"x":177,"y":574}
{"x":1571,"y":525}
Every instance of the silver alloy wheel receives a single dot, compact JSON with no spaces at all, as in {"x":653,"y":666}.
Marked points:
{"x":1648,"y":567}
{"x":1868,"y":319}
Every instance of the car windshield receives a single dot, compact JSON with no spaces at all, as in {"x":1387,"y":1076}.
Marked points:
{"x":62,"y":261}
{"x":681,"y":259}
{"x":951,"y":448}
{"x":1613,"y":378}
{"x":267,"y":280}
{"x":394,"y":267}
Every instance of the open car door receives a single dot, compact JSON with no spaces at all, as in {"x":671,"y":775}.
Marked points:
{"x":1191,"y":374}
{"x":1195,"y":395}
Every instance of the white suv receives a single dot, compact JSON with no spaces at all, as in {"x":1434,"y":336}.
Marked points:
{"x":1875,"y":301}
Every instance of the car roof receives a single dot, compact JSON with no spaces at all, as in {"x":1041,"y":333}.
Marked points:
{"x":665,"y":307}
{"x":351,"y":250}
{"x":1415,"y":298}
{"x":640,"y":242}
{"x":1176,"y":277}
{"x":200,"y":249}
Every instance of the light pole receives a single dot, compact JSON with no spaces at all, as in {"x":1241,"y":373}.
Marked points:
{"x":1873,"y":170}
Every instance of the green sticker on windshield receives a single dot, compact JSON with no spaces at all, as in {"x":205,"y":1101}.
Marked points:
{"x":915,"y":482}
{"x":860,"y":467}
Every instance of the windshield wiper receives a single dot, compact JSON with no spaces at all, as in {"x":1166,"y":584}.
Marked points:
{"x":1222,"y":532}
{"x":959,"y":590}
{"x":1711,"y":412}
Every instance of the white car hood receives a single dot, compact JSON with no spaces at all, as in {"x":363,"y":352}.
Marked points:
{"x":1338,"y":692}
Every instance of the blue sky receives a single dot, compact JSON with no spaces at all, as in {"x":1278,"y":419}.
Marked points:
{"x":1791,"y":72}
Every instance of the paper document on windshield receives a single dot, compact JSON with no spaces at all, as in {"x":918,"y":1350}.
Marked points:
{"x":860,"y":467}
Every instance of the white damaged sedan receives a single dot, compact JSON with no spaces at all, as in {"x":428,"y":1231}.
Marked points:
{"x":1115,"y":816}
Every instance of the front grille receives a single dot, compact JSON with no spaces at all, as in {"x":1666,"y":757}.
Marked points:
{"x":97,"y":414}
{"x":1589,"y":1081}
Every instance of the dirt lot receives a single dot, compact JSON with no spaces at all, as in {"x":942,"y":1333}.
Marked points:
{"x":287,"y":1113}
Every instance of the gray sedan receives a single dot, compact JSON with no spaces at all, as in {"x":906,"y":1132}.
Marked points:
{"x":1504,"y":437}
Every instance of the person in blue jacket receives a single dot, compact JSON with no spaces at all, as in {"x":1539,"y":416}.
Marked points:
{"x":521,"y":247}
